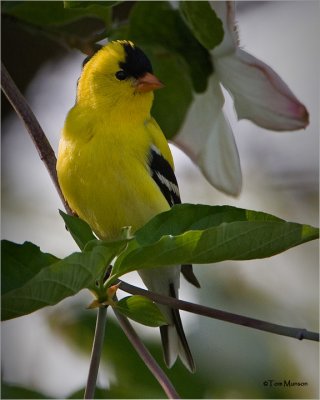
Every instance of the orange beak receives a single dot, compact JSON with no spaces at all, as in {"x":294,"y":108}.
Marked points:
{"x":148,"y":82}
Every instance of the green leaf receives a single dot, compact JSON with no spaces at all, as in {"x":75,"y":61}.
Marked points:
{"x":85,"y":4}
{"x":9,"y":391}
{"x":192,"y":234}
{"x":189,"y":217}
{"x":99,"y":393}
{"x":75,"y":27}
{"x":157,"y":23}
{"x":171,"y":69}
{"x":20,"y":263}
{"x":79,"y":229}
{"x":125,"y":238}
{"x":178,"y":59}
{"x":142,"y":310}
{"x":59,"y":280}
{"x":203,"y":22}
{"x":44,"y":13}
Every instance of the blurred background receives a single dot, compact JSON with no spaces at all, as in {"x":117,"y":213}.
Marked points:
{"x":48,"y":351}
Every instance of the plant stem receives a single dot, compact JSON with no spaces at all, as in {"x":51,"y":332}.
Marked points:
{"x":147,"y":357}
{"x":297,"y":333}
{"x":96,"y":352}
{"x":36,"y":133}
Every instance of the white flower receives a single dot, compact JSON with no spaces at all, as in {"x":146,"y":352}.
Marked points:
{"x":259,"y":95}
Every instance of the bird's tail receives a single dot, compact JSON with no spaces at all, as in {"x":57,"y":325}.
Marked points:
{"x":166,"y":281}
{"x":174,"y":341}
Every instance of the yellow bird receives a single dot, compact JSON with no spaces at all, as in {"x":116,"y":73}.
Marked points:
{"x":115,"y":167}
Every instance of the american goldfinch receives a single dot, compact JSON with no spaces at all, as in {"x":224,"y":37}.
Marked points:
{"x":115,"y":167}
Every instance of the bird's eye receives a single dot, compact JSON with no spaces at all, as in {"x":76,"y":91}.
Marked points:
{"x":121,"y":75}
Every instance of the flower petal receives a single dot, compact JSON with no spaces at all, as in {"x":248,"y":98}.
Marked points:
{"x":225,"y":10}
{"x":259,"y":93}
{"x":207,"y":138}
{"x":219,"y":159}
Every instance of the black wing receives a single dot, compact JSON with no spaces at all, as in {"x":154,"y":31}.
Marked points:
{"x":163,"y":174}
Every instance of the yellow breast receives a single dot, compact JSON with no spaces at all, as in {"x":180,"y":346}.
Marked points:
{"x":103,"y":171}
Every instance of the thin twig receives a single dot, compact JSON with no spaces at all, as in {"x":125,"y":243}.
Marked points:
{"x":296,"y":333}
{"x":146,"y":356}
{"x":36,"y":133}
{"x":96,"y":352}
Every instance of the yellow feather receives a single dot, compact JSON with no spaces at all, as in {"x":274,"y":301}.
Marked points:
{"x":105,"y":142}
{"x":103,"y":166}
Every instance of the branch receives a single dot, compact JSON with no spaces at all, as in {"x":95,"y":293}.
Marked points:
{"x":146,"y":356}
{"x":36,"y":133}
{"x":96,"y":352}
{"x":296,"y":333}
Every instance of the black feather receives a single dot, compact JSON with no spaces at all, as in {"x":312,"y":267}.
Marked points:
{"x":180,"y":331}
{"x":188,"y":274}
{"x":164,"y":330}
{"x":136,"y":63}
{"x":163,"y":174}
